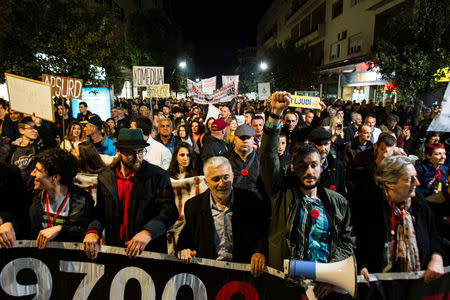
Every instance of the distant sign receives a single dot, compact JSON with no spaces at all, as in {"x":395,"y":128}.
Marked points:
{"x":162,"y":91}
{"x":148,"y":76}
{"x":65,"y":87}
{"x":209,"y":85}
{"x":442,"y":122}
{"x":98,"y":100}
{"x":30,"y":96}
{"x":263,"y":90}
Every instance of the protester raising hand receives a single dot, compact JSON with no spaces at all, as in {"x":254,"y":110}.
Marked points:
{"x":280,"y":101}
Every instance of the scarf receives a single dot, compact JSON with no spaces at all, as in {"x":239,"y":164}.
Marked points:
{"x":406,"y":253}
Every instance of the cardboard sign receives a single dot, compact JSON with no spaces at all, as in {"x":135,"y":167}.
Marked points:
{"x":30,"y":96}
{"x":227,"y":79}
{"x":162,"y":91}
{"x":148,"y":76}
{"x":305,"y":102}
{"x":65,"y":87}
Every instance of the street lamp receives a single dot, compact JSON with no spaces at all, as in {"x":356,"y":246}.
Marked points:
{"x":182,"y":65}
{"x":197,"y":80}
{"x":263,"y":66}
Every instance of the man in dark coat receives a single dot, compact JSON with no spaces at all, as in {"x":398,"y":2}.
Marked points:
{"x":135,"y":201}
{"x":224,"y":223}
{"x":332,"y":169}
{"x":214,"y":145}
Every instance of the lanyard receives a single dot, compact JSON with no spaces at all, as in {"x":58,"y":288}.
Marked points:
{"x":393,"y":222}
{"x":57,"y":213}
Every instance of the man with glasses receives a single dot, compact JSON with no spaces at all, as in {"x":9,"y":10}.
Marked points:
{"x":34,"y":138}
{"x":135,"y":201}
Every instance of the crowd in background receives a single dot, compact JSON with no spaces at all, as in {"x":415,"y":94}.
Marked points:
{"x":178,"y":139}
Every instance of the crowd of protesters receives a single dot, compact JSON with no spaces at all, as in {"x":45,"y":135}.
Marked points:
{"x":283,"y":182}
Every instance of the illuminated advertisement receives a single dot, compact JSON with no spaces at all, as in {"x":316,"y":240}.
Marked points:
{"x":98,"y":101}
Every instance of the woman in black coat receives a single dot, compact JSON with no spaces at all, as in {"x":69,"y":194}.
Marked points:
{"x":394,"y":225}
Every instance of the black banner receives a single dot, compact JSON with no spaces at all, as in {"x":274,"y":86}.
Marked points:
{"x":63,"y":271}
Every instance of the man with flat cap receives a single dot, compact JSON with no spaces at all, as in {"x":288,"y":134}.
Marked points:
{"x":135,"y":201}
{"x":332,"y":169}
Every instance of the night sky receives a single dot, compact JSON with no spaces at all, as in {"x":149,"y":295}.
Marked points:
{"x":217,"y":29}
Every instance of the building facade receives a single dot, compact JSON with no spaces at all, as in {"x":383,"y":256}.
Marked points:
{"x":341,"y":35}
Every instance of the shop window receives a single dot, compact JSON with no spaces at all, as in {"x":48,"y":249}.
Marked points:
{"x":338,"y":8}
{"x":354,"y":2}
{"x":355,"y":44}
{"x":335,"y":50}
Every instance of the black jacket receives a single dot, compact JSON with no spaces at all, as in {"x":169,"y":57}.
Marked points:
{"x":15,"y":199}
{"x":372,"y":226}
{"x":333,"y":177}
{"x":249,"y":181}
{"x":213,"y":147}
{"x":81,"y":207}
{"x":249,"y":222}
{"x":152,"y":206}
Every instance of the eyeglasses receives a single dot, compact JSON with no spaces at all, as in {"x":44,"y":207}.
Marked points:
{"x":31,"y":128}
{"x":133,"y":153}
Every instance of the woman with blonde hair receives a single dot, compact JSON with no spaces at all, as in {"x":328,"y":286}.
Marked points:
{"x":74,"y":136}
{"x":229,"y":131}
{"x":337,"y":136}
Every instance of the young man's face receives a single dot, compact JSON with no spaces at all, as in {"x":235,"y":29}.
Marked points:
{"x":282,"y":145}
{"x":41,"y":179}
{"x":82,"y":108}
{"x":307,"y":169}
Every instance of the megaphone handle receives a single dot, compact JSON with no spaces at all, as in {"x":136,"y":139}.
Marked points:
{"x":308,"y":286}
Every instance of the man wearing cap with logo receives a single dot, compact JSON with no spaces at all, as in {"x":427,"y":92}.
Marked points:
{"x":135,"y":201}
{"x":102,"y":142}
{"x":244,"y":159}
{"x":332,"y":169}
{"x":214,"y":145}
{"x":308,"y":222}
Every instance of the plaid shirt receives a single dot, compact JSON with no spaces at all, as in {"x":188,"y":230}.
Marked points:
{"x":311,"y":233}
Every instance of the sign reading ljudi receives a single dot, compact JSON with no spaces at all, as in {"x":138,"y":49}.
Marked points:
{"x":65,"y":87}
{"x":148,"y":76}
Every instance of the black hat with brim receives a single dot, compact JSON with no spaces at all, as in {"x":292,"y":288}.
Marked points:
{"x":131,"y":138}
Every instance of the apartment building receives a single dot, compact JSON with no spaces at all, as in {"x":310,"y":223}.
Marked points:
{"x":341,"y":35}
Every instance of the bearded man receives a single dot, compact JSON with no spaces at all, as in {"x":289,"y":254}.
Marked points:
{"x":135,"y":201}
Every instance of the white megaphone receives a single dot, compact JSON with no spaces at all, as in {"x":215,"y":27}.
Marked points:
{"x":341,"y":274}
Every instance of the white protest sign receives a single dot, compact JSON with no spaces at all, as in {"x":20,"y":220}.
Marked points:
{"x":148,"y":76}
{"x":209,"y":85}
{"x":263,"y":90}
{"x":191,"y":85}
{"x":30,"y":96}
{"x":225,"y":94}
{"x":181,"y":96}
{"x":227,"y":79}
{"x":213,"y":112}
{"x":442,"y":122}
{"x":184,"y":190}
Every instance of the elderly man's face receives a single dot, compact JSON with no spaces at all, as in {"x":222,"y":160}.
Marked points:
{"x":291,"y":120}
{"x":220,"y":182}
{"x":165,"y":127}
{"x":371,"y":122}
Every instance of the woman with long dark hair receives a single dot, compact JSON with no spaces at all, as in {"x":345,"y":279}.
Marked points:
{"x":74,"y":136}
{"x":183,"y":163}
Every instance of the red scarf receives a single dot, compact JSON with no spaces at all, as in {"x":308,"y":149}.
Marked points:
{"x":124,"y":185}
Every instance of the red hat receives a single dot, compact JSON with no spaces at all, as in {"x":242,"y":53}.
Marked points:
{"x":219,"y":124}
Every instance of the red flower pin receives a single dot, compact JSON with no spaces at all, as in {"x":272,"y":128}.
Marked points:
{"x":315,"y":213}
{"x":332,"y":187}
{"x":244,"y":172}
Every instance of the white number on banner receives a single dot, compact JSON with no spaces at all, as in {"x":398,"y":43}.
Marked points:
{"x":119,"y":282}
{"x":177,"y":281}
{"x":41,"y":290}
{"x":93,"y":274}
